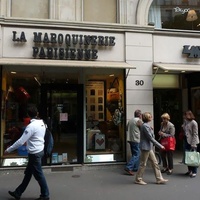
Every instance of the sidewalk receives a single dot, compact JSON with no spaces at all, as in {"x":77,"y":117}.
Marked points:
{"x":110,"y":183}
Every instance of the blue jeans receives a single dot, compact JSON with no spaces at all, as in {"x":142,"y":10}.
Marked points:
{"x":188,"y":148}
{"x":34,"y":167}
{"x":133,"y":164}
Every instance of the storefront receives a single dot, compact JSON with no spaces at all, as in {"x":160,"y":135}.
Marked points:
{"x":176,"y":77}
{"x":77,"y":79}
{"x":87,"y":85}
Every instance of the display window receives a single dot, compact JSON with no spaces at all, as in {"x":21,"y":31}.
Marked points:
{"x":56,"y":94}
{"x":105,"y":118}
{"x":86,"y":119}
{"x":175,"y":14}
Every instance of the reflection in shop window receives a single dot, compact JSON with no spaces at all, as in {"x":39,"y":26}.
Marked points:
{"x":15,"y":162}
{"x":175,"y":14}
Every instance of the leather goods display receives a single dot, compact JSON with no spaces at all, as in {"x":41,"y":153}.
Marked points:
{"x":113,"y":92}
{"x":169,"y":143}
{"x":192,"y":158}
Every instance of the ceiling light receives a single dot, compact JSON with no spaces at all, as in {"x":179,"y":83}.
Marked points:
{"x":13,"y":72}
{"x":182,"y":71}
{"x":111,"y":75}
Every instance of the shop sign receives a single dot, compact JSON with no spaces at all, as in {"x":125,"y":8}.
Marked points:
{"x":66,"y":46}
{"x":192,"y":52}
{"x":181,"y":10}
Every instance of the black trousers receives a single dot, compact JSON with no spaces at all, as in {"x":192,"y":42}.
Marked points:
{"x":167,"y":159}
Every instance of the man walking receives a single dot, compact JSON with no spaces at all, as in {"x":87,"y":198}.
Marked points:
{"x":133,"y":138}
{"x":34,"y":138}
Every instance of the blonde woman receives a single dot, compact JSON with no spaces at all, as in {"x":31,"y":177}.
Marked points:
{"x":147,"y":141}
{"x":167,"y":129}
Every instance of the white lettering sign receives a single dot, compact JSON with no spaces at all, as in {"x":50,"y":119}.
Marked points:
{"x":181,"y":10}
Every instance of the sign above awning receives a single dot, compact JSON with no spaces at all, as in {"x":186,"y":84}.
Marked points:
{"x":64,"y":63}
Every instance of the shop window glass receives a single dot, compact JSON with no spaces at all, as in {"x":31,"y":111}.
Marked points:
{"x":175,"y":14}
{"x":104,"y":115}
{"x":24,"y":88}
{"x":100,"y":11}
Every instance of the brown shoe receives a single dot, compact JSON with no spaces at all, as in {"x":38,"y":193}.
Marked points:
{"x":140,"y":182}
{"x":129,"y":172}
{"x":162,"y":181}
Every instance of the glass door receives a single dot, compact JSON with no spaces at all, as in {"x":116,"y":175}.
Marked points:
{"x":62,"y":107}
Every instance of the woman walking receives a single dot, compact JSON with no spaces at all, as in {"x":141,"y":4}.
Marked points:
{"x":147,"y":141}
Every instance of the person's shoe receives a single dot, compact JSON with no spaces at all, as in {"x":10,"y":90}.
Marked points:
{"x":188,"y":173}
{"x":140,"y":182}
{"x":43,"y":198}
{"x":169,"y":172}
{"x":193,"y":175}
{"x":164,"y":170}
{"x":162,"y":181}
{"x":13,"y":194}
{"x":129,"y":171}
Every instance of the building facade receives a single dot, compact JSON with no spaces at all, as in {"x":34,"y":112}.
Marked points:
{"x":88,"y":71}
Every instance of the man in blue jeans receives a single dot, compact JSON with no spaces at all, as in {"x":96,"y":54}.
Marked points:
{"x":34,"y":138}
{"x":133,"y":138}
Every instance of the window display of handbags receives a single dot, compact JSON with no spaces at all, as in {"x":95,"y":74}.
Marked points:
{"x":113,"y":92}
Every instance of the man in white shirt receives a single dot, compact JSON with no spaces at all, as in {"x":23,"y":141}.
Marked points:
{"x":34,"y":138}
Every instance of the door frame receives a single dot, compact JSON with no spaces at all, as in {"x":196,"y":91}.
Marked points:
{"x":43,"y":111}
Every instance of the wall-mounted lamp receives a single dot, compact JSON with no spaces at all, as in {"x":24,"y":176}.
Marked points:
{"x":191,"y":16}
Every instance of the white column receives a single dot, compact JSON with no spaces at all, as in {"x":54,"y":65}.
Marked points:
{"x":5,"y":8}
{"x":52,"y":9}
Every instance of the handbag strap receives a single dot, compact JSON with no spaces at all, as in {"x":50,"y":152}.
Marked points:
{"x":113,"y":83}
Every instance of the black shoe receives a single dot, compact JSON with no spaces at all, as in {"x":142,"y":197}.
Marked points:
{"x":43,"y":198}
{"x":13,"y":194}
{"x":188,"y":173}
{"x":169,"y":172}
{"x":164,"y":170}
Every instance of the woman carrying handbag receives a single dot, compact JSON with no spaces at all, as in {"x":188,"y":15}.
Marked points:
{"x":191,"y":138}
{"x":167,"y":131}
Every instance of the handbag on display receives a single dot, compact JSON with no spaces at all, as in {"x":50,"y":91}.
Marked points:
{"x":169,"y":143}
{"x":192,"y":158}
{"x":113,"y":92}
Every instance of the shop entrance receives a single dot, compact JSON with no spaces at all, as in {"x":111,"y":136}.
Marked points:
{"x":62,"y":108}
{"x":168,"y":101}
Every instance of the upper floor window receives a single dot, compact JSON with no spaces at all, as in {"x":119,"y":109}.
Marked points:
{"x":100,"y":11}
{"x":175,"y":14}
{"x":30,"y":9}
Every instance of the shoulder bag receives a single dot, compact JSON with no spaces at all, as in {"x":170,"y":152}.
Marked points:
{"x":169,"y":143}
{"x":192,"y":158}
